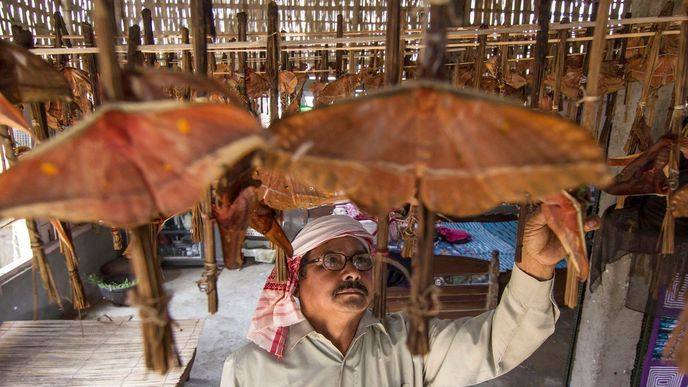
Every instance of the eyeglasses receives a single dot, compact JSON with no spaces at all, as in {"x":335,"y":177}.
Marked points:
{"x":337,"y":261}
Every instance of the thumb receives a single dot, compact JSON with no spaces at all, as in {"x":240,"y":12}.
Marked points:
{"x":592,"y":223}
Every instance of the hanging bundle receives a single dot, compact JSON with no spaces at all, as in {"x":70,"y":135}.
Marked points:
{"x":67,"y":249}
{"x":408,"y":235}
{"x":41,"y":264}
{"x":159,"y":350}
{"x":424,"y":296}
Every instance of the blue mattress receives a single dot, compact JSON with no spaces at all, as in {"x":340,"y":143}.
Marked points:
{"x":485,"y":237}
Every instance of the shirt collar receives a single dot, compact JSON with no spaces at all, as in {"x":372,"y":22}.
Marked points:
{"x":298,"y":332}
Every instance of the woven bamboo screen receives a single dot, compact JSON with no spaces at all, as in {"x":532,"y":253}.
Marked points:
{"x":297,"y":16}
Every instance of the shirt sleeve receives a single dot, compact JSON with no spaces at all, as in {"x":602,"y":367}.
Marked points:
{"x":474,"y":349}
{"x":230,"y":376}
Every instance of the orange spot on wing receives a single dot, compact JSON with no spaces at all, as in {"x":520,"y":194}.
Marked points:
{"x":183,"y":126}
{"x":49,"y":169}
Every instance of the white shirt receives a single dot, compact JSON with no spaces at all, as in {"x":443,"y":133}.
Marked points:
{"x":462,"y":352}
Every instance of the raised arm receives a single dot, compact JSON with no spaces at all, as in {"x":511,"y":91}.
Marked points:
{"x":471,"y":350}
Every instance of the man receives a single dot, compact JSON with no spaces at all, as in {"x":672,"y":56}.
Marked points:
{"x":330,"y":338}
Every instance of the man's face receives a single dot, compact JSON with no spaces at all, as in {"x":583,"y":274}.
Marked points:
{"x":347,"y":290}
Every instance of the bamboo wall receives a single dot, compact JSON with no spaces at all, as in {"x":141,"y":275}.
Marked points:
{"x":296,"y":16}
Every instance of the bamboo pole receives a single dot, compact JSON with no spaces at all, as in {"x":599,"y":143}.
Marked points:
{"x":560,"y":68}
{"x":339,"y":54}
{"x":199,"y":31}
{"x":243,"y":69}
{"x":479,"y":59}
{"x":392,"y":75}
{"x":148,"y":35}
{"x":424,"y":302}
{"x":134,"y":56}
{"x":591,"y":98}
{"x":90,"y":60}
{"x":60,"y":28}
{"x":543,"y":10}
{"x":324,"y":64}
{"x":392,"y":53}
{"x":273,"y":53}
{"x":159,"y":350}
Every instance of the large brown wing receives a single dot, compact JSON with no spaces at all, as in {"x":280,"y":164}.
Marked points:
{"x":679,"y":203}
{"x":25,"y":77}
{"x":465,"y":153}
{"x":129,"y":163}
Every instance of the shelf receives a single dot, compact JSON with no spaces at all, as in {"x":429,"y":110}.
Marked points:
{"x":176,"y":232}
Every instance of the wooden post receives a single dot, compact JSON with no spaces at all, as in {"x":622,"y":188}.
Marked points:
{"x":591,"y":99}
{"x":91,"y":62}
{"x":198,"y":40}
{"x":479,"y":59}
{"x":339,"y":54}
{"x":134,"y":57}
{"x":285,"y":63}
{"x":324,"y":64}
{"x":199,"y":32}
{"x":493,"y":282}
{"x":392,"y":43}
{"x":109,"y":68}
{"x":543,"y":9}
{"x":60,"y":29}
{"x":272,"y":60}
{"x":159,"y":351}
{"x":504,"y":64}
{"x":560,"y":66}
{"x":243,"y":69}
{"x":423,"y":304}
{"x":187,"y":65}
{"x":354,"y":26}
{"x":148,"y":35}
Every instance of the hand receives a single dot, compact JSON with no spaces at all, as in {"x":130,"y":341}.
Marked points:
{"x":541,"y":247}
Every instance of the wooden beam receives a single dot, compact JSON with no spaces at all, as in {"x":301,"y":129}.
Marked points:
{"x":591,"y":99}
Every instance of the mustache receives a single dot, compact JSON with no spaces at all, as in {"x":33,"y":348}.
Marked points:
{"x":350,"y":285}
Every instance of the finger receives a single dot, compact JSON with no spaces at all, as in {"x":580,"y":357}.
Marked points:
{"x":592,"y":223}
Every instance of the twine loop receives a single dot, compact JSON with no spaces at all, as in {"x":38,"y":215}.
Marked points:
{"x":152,"y":310}
{"x":587,"y":98}
{"x":208,"y":276}
{"x":424,"y":305}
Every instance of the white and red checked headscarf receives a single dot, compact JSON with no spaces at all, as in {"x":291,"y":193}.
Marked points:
{"x":277,"y":308}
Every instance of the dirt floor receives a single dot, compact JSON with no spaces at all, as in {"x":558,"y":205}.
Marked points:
{"x":225,"y":331}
